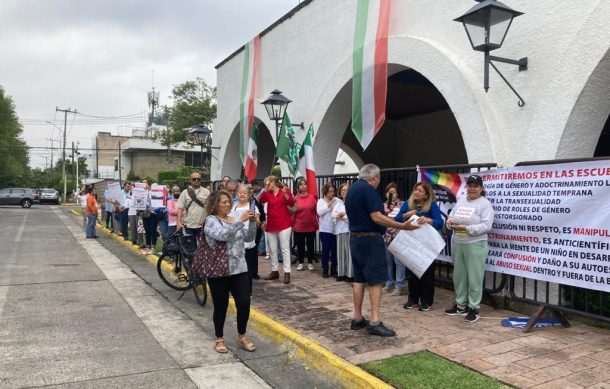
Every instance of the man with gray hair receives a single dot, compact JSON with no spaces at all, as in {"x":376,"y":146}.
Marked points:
{"x":367,"y":224}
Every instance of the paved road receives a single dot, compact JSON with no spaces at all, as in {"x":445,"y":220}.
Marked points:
{"x":88,"y":313}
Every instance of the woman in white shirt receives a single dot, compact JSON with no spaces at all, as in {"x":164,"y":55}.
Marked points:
{"x":245,"y":204}
{"x":327,"y":230}
{"x":344,"y":257}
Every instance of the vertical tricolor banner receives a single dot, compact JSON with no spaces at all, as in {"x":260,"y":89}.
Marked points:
{"x":248,"y":86}
{"x":370,"y":69}
{"x":306,"y":166}
{"x":250,"y":168}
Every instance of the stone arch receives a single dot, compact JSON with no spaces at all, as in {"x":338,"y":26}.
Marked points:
{"x":589,"y":115}
{"x":333,"y":108}
{"x":231,"y":162}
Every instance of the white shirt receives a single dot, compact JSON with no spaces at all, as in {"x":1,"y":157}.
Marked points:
{"x":341,"y":224}
{"x":82,"y":201}
{"x":236,"y":212}
{"x":327,"y":222}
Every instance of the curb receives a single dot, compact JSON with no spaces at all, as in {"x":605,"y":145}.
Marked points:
{"x":315,"y":355}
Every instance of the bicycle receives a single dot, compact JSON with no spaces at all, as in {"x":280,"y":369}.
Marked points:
{"x":174,"y":266}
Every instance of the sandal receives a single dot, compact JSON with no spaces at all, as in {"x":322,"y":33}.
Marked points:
{"x":246,"y":344}
{"x":219,"y":346}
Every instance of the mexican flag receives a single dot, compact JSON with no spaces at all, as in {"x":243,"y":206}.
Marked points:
{"x":370,"y":68}
{"x":248,"y":86}
{"x":306,"y":167}
{"x":251,"y":160}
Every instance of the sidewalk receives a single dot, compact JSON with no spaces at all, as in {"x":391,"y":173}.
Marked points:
{"x":320,"y":309}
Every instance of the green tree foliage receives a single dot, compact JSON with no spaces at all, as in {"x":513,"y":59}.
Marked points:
{"x":194,"y":104}
{"x":14,"y":158}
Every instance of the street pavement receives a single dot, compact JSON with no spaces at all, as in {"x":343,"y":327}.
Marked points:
{"x":84,"y":313}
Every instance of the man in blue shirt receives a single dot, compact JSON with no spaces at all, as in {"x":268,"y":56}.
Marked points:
{"x":367,"y":223}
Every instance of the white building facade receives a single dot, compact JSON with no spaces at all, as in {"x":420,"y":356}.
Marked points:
{"x":437,"y":111}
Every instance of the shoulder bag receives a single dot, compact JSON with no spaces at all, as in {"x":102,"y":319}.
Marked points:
{"x":211,"y":261}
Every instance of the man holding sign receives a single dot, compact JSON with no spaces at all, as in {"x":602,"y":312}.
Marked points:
{"x":367,"y":225}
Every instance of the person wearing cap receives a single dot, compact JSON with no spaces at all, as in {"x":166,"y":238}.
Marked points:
{"x":471,"y":220}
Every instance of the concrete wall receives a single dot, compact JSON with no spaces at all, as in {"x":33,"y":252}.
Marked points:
{"x":308,"y":57}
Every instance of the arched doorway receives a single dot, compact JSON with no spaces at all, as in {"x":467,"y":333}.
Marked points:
{"x":420,"y":128}
{"x":603,"y":144}
{"x":231,"y":165}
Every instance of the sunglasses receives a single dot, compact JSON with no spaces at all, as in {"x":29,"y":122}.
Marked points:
{"x":195,"y":179}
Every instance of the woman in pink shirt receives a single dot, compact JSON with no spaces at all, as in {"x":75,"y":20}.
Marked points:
{"x":305,"y":224}
{"x":172,"y":210}
{"x":279,"y":224}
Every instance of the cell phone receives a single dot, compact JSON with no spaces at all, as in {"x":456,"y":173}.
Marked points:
{"x":252,"y":205}
{"x":390,"y":195}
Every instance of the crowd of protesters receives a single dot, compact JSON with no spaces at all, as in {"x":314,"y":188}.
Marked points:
{"x":354,"y":224}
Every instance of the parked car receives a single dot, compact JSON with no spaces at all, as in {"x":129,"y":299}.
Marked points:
{"x":48,"y":195}
{"x":18,"y":196}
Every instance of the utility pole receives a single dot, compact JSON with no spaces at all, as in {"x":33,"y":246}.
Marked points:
{"x":63,"y":164}
{"x":51,"y":139}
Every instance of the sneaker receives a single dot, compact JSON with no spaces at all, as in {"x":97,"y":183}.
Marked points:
{"x":409,"y":304}
{"x":266,"y":257}
{"x":456,"y":311}
{"x":388,"y":288}
{"x":359,"y":324}
{"x":300,"y":267}
{"x":397,"y":292}
{"x":472,"y":315}
{"x":380,"y":330}
{"x":425,"y":307}
{"x":310,"y":267}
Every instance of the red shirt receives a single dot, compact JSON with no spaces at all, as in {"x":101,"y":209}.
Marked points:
{"x":278,"y":217}
{"x":306,"y":216}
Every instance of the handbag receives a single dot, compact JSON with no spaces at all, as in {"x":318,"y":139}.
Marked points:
{"x":211,"y":261}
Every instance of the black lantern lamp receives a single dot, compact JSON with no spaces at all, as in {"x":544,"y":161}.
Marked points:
{"x":200,"y":136}
{"x":276,"y":105}
{"x":487,"y":25}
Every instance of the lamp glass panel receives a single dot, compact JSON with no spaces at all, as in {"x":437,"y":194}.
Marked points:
{"x":269,"y":109}
{"x":476,"y":27}
{"x":500,"y":22}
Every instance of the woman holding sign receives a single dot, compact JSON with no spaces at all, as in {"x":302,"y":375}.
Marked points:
{"x":421,"y":203}
{"x":471,"y":220}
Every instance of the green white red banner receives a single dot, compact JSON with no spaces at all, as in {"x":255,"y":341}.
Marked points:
{"x":252,"y":158}
{"x":248,"y":89}
{"x":370,"y":68}
{"x":306,"y":165}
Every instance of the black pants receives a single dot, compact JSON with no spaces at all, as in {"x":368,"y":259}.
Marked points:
{"x":240,"y":290}
{"x":305,"y":243}
{"x":422,"y":289}
{"x":252,"y":261}
{"x":109,"y":220}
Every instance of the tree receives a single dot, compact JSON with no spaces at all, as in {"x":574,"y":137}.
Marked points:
{"x":194,"y":104}
{"x":14,"y":158}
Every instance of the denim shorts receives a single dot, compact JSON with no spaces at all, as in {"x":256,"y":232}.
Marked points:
{"x":369,"y":259}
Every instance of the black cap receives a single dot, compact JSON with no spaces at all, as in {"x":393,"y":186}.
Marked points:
{"x":474,"y":179}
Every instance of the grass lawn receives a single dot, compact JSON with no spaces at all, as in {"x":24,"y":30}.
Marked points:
{"x":425,"y":370}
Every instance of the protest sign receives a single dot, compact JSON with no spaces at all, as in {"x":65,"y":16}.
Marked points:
{"x":158,"y":196}
{"x":552,"y":222}
{"x":417,"y":249}
{"x":138,"y":199}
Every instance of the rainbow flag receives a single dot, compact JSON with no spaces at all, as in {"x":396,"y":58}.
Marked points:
{"x":451,"y":181}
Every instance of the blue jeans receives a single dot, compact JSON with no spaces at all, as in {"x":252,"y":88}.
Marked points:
{"x":163,"y":227}
{"x":329,"y":252}
{"x":397,"y":279}
{"x":124,"y":221}
{"x":90,"y":229}
{"x":261,"y":243}
{"x":150,"y":229}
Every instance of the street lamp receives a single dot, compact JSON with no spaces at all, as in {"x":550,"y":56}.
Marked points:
{"x":487,"y":25}
{"x":202,"y":136}
{"x":276,"y":105}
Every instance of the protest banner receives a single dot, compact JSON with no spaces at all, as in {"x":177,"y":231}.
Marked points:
{"x":114,"y":191}
{"x":139,"y":198}
{"x":158,"y":196}
{"x":417,"y":249}
{"x":552,"y":222}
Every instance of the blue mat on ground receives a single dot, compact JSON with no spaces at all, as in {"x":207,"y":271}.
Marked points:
{"x":520,"y":322}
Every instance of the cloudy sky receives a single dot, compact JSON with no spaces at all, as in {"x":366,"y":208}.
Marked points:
{"x":100,"y":57}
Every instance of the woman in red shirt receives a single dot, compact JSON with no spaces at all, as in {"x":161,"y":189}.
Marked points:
{"x":305,"y":224}
{"x":279,"y":224}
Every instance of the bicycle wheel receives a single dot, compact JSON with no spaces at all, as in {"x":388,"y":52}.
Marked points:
{"x":173,"y":273}
{"x":200,"y":289}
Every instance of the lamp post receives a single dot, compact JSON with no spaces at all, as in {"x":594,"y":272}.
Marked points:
{"x":202,"y":136}
{"x":276,"y":105}
{"x":487,"y":25}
